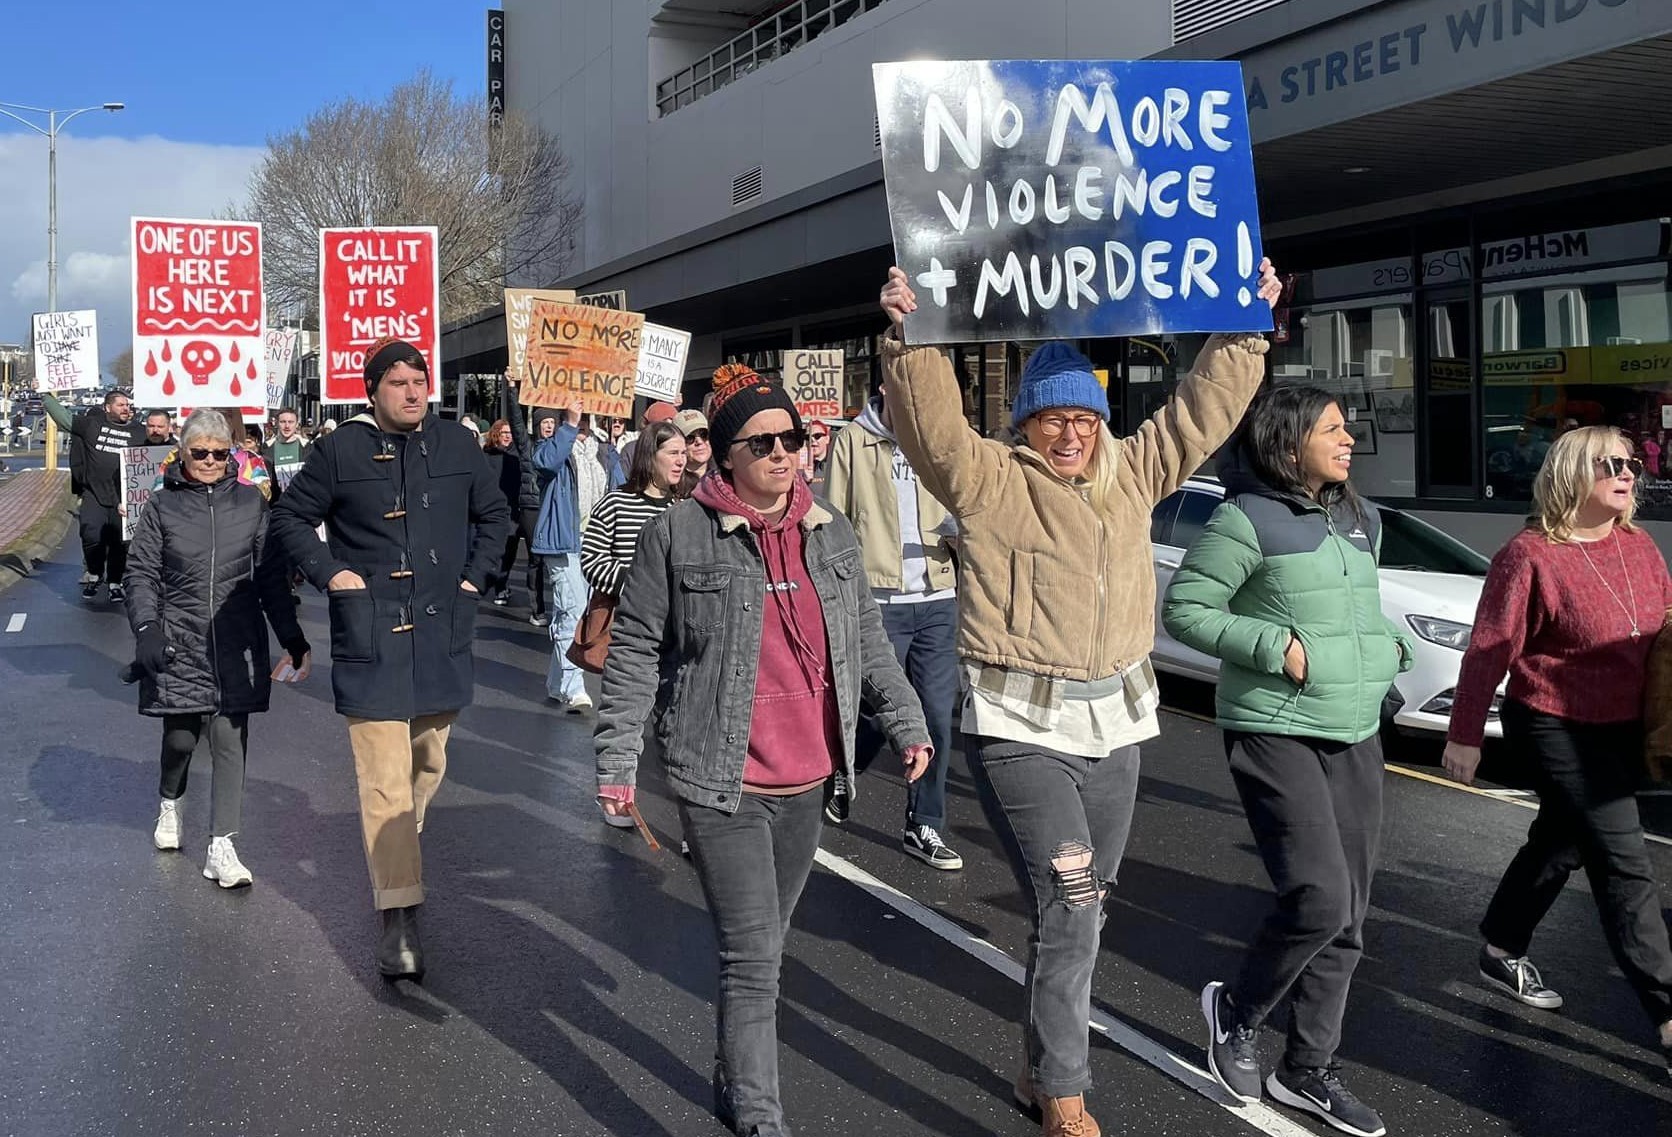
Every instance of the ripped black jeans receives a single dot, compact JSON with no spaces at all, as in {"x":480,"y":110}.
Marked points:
{"x":1063,"y":821}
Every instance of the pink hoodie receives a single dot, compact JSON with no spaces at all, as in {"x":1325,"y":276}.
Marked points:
{"x":794,"y":734}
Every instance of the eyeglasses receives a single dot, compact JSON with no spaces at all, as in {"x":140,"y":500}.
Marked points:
{"x":698,"y":435}
{"x":818,"y":435}
{"x":1614,"y":466}
{"x":203,"y":455}
{"x":1052,"y":426}
{"x":760,"y":445}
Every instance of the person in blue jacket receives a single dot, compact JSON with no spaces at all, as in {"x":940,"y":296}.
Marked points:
{"x":557,"y":542}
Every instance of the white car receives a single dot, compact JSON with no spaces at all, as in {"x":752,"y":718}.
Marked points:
{"x":1430,"y":585}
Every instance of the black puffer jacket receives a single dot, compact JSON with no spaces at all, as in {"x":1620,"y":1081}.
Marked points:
{"x":531,"y":490}
{"x":196,"y":565}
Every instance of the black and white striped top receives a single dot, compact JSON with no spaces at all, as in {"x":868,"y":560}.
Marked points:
{"x":612,"y":536}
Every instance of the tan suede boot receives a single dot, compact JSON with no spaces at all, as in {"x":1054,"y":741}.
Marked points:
{"x":1067,"y":1117}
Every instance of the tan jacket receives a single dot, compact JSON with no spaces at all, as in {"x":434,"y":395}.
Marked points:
{"x":859,"y":481}
{"x":1052,"y":586}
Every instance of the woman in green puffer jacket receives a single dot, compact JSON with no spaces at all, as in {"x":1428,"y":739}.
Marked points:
{"x":1281,"y":586}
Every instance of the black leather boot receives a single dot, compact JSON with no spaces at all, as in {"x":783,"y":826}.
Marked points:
{"x":399,"y":954}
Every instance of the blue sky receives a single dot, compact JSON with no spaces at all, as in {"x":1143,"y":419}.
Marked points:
{"x":205,"y":85}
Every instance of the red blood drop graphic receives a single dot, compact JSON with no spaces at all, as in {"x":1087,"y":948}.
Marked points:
{"x":249,"y":372}
{"x":150,"y":365}
{"x":168,"y":352}
{"x":237,"y":387}
{"x":168,"y":383}
{"x":233,"y":354}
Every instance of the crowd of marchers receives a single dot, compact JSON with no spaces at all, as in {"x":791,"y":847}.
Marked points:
{"x":774,"y":602}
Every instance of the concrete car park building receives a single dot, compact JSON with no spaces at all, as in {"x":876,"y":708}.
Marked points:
{"x":1470,"y":198}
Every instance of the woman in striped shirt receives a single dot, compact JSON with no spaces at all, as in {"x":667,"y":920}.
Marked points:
{"x":612,"y":531}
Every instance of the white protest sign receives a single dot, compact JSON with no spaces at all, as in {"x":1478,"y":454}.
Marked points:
{"x":139,"y":473}
{"x":662,"y":353}
{"x":66,"y":350}
{"x":281,"y":348}
{"x":519,"y":307}
{"x":814,"y":382}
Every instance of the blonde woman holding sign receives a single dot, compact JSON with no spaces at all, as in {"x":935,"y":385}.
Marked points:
{"x":1056,"y":622}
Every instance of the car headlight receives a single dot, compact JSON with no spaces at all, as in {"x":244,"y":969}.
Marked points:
{"x":1446,"y":633}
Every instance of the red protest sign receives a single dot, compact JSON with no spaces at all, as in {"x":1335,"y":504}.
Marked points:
{"x":375,"y":282}
{"x":197,"y":311}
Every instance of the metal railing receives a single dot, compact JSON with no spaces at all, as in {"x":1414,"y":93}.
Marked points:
{"x":791,"y":27}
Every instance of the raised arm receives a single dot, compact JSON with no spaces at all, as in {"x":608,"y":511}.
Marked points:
{"x":57,"y":412}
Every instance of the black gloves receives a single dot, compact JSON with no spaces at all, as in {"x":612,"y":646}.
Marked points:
{"x":297,"y":649}
{"x":151,"y":650}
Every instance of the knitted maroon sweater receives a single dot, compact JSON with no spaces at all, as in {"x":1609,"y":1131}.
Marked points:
{"x":1547,"y":616}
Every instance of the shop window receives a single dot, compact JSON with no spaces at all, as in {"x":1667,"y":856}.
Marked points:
{"x":1595,"y":349}
{"x":1360,"y":351}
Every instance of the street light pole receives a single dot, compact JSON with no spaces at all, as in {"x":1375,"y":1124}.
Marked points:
{"x":54,"y":124}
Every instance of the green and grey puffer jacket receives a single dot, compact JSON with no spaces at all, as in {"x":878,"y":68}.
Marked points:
{"x":1269,"y":565}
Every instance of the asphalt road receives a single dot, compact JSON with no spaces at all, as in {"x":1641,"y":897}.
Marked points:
{"x":572,"y":971}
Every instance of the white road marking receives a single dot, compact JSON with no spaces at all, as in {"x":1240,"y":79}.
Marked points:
{"x":15,"y":624}
{"x":1187,"y":1074}
{"x":1526,"y":801}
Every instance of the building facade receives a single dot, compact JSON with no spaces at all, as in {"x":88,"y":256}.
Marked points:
{"x":1468,"y":198}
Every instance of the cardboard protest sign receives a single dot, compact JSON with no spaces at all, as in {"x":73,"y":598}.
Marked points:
{"x":519,"y":308}
{"x":139,"y":473}
{"x":1044,"y":199}
{"x":578,"y":352}
{"x":66,"y":350}
{"x":280,"y":350}
{"x":374,"y":282}
{"x":197,"y":311}
{"x":662,"y":353}
{"x":813,"y":380}
{"x":615,"y":298}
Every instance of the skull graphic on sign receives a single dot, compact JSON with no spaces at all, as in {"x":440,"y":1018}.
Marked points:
{"x":200,"y":358}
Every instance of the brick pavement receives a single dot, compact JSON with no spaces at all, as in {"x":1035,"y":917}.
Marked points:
{"x":25,"y":498}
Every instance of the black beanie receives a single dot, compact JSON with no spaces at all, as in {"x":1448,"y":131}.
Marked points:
{"x":384,"y":354}
{"x":740,"y":395}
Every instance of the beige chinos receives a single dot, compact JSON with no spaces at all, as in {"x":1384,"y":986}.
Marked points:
{"x":399,"y":766}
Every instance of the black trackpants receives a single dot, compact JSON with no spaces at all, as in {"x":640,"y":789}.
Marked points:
{"x":1315,"y":808}
{"x":1587,"y":776}
{"x":103,"y":552}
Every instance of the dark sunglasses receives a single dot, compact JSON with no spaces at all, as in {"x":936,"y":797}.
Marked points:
{"x":203,"y":455}
{"x":698,"y":435}
{"x":1615,"y":465}
{"x":760,"y":445}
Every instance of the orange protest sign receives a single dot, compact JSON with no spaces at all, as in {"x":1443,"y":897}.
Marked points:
{"x":578,"y":352}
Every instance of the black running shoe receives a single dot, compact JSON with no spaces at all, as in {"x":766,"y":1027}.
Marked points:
{"x":836,"y":804}
{"x":89,"y":589}
{"x":1518,"y":979}
{"x":1233,"y":1050}
{"x":118,"y":595}
{"x":1319,"y":1092}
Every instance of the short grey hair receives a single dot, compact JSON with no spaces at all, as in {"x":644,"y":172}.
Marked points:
{"x":207,"y":424}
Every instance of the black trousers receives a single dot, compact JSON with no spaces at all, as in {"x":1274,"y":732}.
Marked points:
{"x":1587,"y":776}
{"x":535,"y":575}
{"x":103,"y":551}
{"x":1315,"y":808}
{"x":229,"y":741}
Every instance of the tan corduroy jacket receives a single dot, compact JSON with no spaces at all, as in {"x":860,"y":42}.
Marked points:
{"x":1050,"y":585}
{"x":859,"y":481}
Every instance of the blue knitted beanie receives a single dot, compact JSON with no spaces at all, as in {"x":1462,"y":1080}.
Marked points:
{"x":1058,"y":376}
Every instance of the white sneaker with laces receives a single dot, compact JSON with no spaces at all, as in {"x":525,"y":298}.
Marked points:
{"x":167,"y":833}
{"x":223,"y":866}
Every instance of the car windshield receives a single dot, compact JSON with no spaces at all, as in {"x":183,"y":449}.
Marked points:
{"x":1409,"y":543}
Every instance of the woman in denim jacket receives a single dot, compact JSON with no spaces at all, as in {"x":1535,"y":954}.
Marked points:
{"x":746,"y":630}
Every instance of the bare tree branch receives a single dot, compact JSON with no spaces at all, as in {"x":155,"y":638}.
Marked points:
{"x":122,"y":368}
{"x":420,"y":157}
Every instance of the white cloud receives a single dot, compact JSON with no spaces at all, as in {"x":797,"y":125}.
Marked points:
{"x":102,"y":182}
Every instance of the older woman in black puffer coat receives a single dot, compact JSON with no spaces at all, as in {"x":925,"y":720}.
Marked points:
{"x":198,"y":585}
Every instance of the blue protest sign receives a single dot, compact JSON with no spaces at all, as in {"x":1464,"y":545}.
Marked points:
{"x":1038,"y":199}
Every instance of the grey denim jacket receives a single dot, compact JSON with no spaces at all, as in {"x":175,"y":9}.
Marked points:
{"x":686,"y":644}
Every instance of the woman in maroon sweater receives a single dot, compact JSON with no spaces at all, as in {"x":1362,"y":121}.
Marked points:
{"x":1570,"y":608}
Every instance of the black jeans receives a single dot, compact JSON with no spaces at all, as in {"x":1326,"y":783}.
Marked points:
{"x":533,"y":575}
{"x":229,"y":741}
{"x":103,"y":551}
{"x":1315,"y":808}
{"x":925,"y":642}
{"x":753,"y":865}
{"x":1587,"y":776}
{"x":1063,"y":821}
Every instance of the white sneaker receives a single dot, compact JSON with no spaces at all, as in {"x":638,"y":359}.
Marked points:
{"x":167,"y":833}
{"x":580,"y":702}
{"x":616,"y":820}
{"x":223,"y":866}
